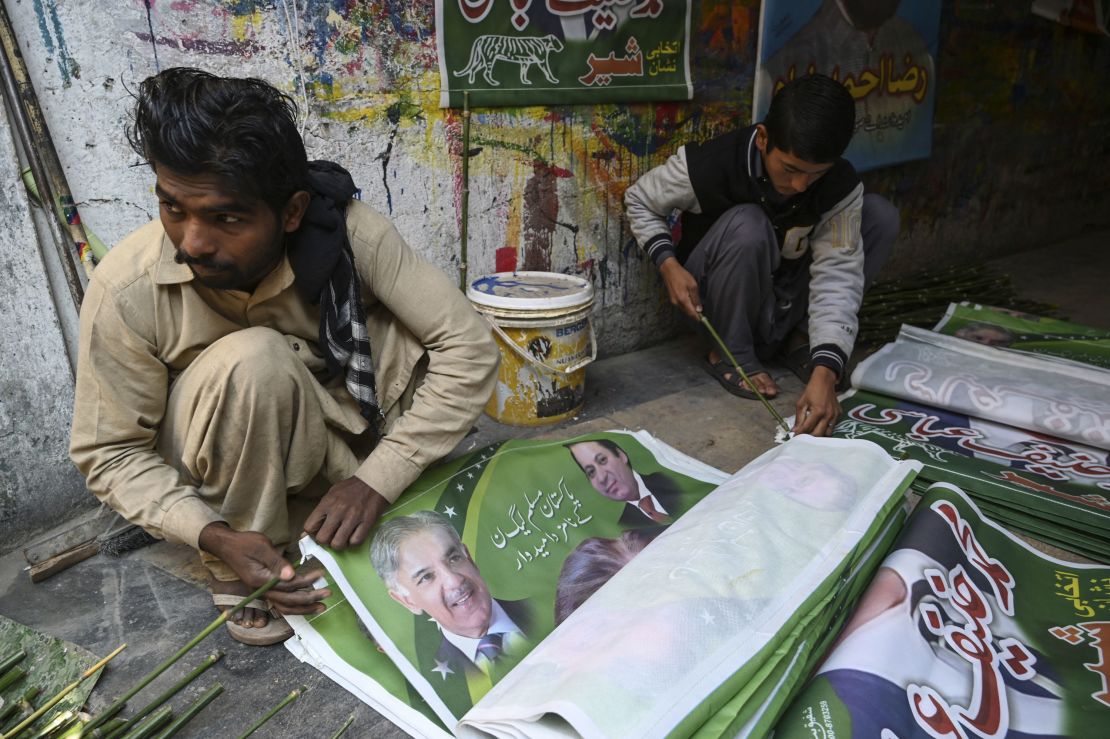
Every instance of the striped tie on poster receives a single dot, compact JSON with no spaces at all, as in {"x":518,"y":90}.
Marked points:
{"x":542,"y":52}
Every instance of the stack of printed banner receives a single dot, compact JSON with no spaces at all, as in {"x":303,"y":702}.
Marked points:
{"x":606,"y":586}
{"x":1013,"y":408}
{"x":965,"y":631}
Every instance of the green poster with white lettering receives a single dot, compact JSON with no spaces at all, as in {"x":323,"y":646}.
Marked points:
{"x":965,"y":631}
{"x":482,"y":557}
{"x":549,"y":52}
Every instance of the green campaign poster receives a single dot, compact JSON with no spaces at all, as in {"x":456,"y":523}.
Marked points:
{"x":1024,"y":332}
{"x":488,"y":543}
{"x":965,"y":631}
{"x":548,"y":52}
{"x":1054,"y":489}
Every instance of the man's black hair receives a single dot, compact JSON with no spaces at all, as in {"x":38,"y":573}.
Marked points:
{"x":812,"y":117}
{"x":243,"y":131}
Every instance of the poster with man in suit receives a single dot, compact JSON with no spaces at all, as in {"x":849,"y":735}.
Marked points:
{"x":883,"y":51}
{"x":458,"y":581}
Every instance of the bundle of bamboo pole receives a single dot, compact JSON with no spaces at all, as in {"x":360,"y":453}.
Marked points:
{"x":155,"y":720}
{"x":920,"y":299}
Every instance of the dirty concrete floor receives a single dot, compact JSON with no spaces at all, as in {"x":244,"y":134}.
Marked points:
{"x":153,"y":599}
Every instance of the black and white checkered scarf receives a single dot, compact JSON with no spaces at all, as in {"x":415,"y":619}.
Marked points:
{"x":320,"y":255}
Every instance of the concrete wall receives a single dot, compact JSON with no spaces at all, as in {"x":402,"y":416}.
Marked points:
{"x":38,"y":485}
{"x":1019,"y":154}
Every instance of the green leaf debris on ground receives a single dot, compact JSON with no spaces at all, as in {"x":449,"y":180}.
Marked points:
{"x":51,"y":664}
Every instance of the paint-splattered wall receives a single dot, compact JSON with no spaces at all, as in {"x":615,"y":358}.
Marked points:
{"x":1014,"y":165}
{"x":545,"y":183}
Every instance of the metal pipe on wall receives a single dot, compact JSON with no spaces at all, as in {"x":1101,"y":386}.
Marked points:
{"x":46,"y":168}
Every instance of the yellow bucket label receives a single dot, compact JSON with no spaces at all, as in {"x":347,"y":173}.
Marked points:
{"x":529,"y":394}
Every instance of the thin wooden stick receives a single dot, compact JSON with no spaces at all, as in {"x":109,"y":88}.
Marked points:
{"x":346,"y":725}
{"x":207,"y":697}
{"x":285,"y":702}
{"x":197,"y":671}
{"x":721,"y":344}
{"x":115,"y":708}
{"x":464,"y":198}
{"x":64,"y":692}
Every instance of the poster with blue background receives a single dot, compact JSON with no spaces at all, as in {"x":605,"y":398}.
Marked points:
{"x":885,"y":54}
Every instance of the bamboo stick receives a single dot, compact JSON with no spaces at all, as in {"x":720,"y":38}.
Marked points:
{"x":56,"y":724}
{"x":207,"y":697}
{"x":30,"y":126}
{"x":464,"y":199}
{"x":64,"y":692}
{"x":43,"y":143}
{"x":106,"y":728}
{"x":270,"y":714}
{"x":721,"y":344}
{"x":115,"y":708}
{"x":153,"y":723}
{"x":24,"y":702}
{"x":11,"y":677}
{"x":197,"y":671}
{"x":346,"y":725}
{"x":11,"y":660}
{"x":98,"y":248}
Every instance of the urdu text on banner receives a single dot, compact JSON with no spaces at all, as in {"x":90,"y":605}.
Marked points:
{"x":543,"y":52}
{"x":884,"y":53}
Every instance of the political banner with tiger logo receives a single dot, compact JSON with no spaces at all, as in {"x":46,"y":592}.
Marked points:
{"x":541,"y":52}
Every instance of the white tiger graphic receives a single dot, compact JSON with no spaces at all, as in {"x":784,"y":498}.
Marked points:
{"x":524,"y":51}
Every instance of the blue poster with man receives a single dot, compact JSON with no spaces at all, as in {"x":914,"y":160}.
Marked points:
{"x":884,"y":51}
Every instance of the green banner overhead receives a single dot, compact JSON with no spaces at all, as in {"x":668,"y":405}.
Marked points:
{"x":542,"y":52}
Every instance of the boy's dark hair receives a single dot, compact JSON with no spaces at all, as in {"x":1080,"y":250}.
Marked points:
{"x":243,"y":131}
{"x":812,"y":117}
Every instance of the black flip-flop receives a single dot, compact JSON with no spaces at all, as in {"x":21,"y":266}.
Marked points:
{"x":720,"y":369}
{"x":797,"y":361}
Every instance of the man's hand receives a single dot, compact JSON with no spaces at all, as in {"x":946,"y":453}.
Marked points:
{"x":817,"y":408}
{"x":682,"y":287}
{"x":255,"y":559}
{"x":344,"y":515}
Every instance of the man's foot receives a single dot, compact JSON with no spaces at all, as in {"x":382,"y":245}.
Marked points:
{"x":255,"y":625}
{"x":726,"y":375}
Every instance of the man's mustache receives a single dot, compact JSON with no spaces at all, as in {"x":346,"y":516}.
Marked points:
{"x":183,"y":258}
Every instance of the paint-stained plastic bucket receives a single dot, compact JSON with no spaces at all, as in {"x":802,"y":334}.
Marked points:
{"x":541,"y":321}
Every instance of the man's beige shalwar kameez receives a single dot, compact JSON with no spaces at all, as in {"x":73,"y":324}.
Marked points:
{"x":196,"y":405}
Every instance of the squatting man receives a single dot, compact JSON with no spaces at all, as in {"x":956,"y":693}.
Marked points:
{"x":269,"y":355}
